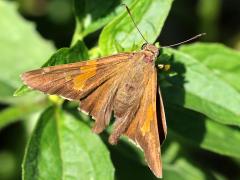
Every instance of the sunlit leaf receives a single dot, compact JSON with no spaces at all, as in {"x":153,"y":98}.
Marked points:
{"x":197,"y":88}
{"x":221,"y":60}
{"x":149,"y":15}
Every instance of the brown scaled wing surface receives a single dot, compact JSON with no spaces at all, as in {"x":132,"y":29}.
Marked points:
{"x":123,"y":84}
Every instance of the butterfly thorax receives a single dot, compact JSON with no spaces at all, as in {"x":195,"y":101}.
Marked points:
{"x":151,"y":52}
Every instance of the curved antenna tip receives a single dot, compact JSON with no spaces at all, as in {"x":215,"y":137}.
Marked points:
{"x":188,"y":40}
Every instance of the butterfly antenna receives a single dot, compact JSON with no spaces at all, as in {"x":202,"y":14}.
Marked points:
{"x":130,"y":14}
{"x":188,"y":40}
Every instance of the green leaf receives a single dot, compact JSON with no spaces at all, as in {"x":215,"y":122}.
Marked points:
{"x":221,"y":60}
{"x":199,"y":130}
{"x":73,"y":54}
{"x":92,"y":15}
{"x":68,"y":145}
{"x":122,"y":29}
{"x":178,"y":163}
{"x":197,"y":88}
{"x":76,"y":53}
{"x":16,"y":113}
{"x":21,"y":48}
{"x":183,"y":170}
{"x":6,"y":90}
{"x":22,"y":91}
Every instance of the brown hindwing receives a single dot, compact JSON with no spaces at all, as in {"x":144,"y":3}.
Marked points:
{"x":143,"y":130}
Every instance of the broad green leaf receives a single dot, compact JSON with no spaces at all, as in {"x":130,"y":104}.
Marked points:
{"x":76,"y":53}
{"x":21,"y":48}
{"x":15,"y":113}
{"x":149,"y":15}
{"x":221,"y":60}
{"x":91,"y":15}
{"x":199,"y":130}
{"x":197,"y":88}
{"x":62,"y":147}
{"x":73,"y":54}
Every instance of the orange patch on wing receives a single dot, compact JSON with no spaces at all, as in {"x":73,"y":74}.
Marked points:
{"x":149,"y":117}
{"x":87,"y":71}
{"x":89,"y":65}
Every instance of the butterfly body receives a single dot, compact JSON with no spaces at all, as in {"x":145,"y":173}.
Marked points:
{"x":124,"y":84}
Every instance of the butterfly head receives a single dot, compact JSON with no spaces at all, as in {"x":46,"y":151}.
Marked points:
{"x":151,"y":52}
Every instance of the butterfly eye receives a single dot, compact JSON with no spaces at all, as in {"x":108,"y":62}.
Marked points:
{"x":144,"y":45}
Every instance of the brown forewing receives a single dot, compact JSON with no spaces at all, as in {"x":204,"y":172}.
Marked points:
{"x":74,"y":81}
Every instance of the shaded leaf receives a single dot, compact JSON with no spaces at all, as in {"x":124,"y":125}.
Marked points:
{"x":199,"y":130}
{"x":68,"y":145}
{"x":149,"y":15}
{"x":223,"y":61}
{"x":179,"y":168}
{"x":197,"y":88}
{"x":91,"y":15}
{"x":8,"y":165}
{"x":126,"y":168}
{"x":182,"y":169}
{"x":179,"y":160}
